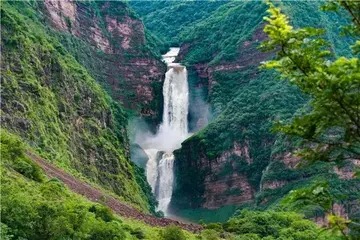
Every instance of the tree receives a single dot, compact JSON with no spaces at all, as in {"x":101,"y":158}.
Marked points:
{"x":330,"y":128}
{"x":274,"y":225}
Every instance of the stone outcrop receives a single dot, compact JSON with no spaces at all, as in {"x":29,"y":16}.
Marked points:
{"x":111,"y":43}
{"x":62,"y":14}
{"x":232,"y":188}
{"x":217,"y":183}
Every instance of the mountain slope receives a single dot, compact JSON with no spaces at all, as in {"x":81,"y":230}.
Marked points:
{"x":53,"y":103}
{"x":112,"y":44}
{"x":167,"y":19}
{"x":227,"y":163}
{"x":34,"y":206}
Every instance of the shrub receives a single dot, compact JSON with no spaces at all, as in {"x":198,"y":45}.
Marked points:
{"x":102,"y":212}
{"x":210,"y":234}
{"x":274,"y":225}
{"x":13,"y":154}
{"x":106,"y":231}
{"x":138,"y":233}
{"x":173,"y":233}
{"x":215,"y":226}
{"x":5,"y":232}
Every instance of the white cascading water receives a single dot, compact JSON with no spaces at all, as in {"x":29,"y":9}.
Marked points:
{"x":172,"y":131}
{"x":151,"y":168}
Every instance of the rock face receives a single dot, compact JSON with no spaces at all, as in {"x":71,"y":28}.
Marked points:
{"x":212,"y":183}
{"x":111,"y":42}
{"x":218,"y":181}
{"x":236,"y":159}
{"x":232,"y":188}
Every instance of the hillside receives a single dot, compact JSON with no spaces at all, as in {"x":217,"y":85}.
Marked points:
{"x":166,"y":19}
{"x":38,"y":204}
{"x":237,"y":159}
{"x":247,"y":128}
{"x":57,"y":107}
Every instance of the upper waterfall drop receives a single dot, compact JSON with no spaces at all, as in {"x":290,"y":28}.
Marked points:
{"x":174,"y":125}
{"x":172,"y":131}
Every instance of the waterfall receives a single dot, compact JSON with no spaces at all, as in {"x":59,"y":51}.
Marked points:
{"x":172,"y":131}
{"x":166,"y":178}
{"x":151,"y":168}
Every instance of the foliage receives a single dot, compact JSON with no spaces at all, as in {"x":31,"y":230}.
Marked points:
{"x":218,"y":37}
{"x":210,"y":234}
{"x":331,"y":127}
{"x":352,"y":7}
{"x":167,"y":19}
{"x":12,"y":154}
{"x":213,"y":31}
{"x":246,"y":102}
{"x":274,"y":225}
{"x":317,"y":195}
{"x":173,"y":233}
{"x":46,"y":209}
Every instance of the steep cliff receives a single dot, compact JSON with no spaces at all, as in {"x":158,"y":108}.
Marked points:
{"x":113,"y":45}
{"x":55,"y":104}
{"x":227,"y":163}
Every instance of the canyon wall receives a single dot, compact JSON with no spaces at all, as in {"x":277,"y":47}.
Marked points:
{"x":113,"y":45}
{"x":237,"y":159}
{"x":55,"y":54}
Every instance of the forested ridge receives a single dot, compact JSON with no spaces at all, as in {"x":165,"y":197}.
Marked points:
{"x":247,"y":101}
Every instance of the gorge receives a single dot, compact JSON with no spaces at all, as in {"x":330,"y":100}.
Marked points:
{"x":168,"y":120}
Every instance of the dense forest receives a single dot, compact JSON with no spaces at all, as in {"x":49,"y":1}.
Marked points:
{"x":273,"y":150}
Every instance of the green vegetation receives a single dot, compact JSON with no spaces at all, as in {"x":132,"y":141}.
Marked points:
{"x":167,"y":19}
{"x":248,"y":101}
{"x":331,"y":127}
{"x":275,"y":225}
{"x":219,"y":36}
{"x":53,"y":103}
{"x":173,"y":233}
{"x":215,"y":29}
{"x":35,"y":207}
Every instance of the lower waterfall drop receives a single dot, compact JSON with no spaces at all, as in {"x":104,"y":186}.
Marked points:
{"x":172,"y":131}
{"x":166,"y":179}
{"x":151,"y":168}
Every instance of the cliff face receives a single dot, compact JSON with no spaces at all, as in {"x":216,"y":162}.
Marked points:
{"x":53,"y":102}
{"x":236,"y":159}
{"x":112,"y":44}
{"x":221,"y":181}
{"x":231,"y":158}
